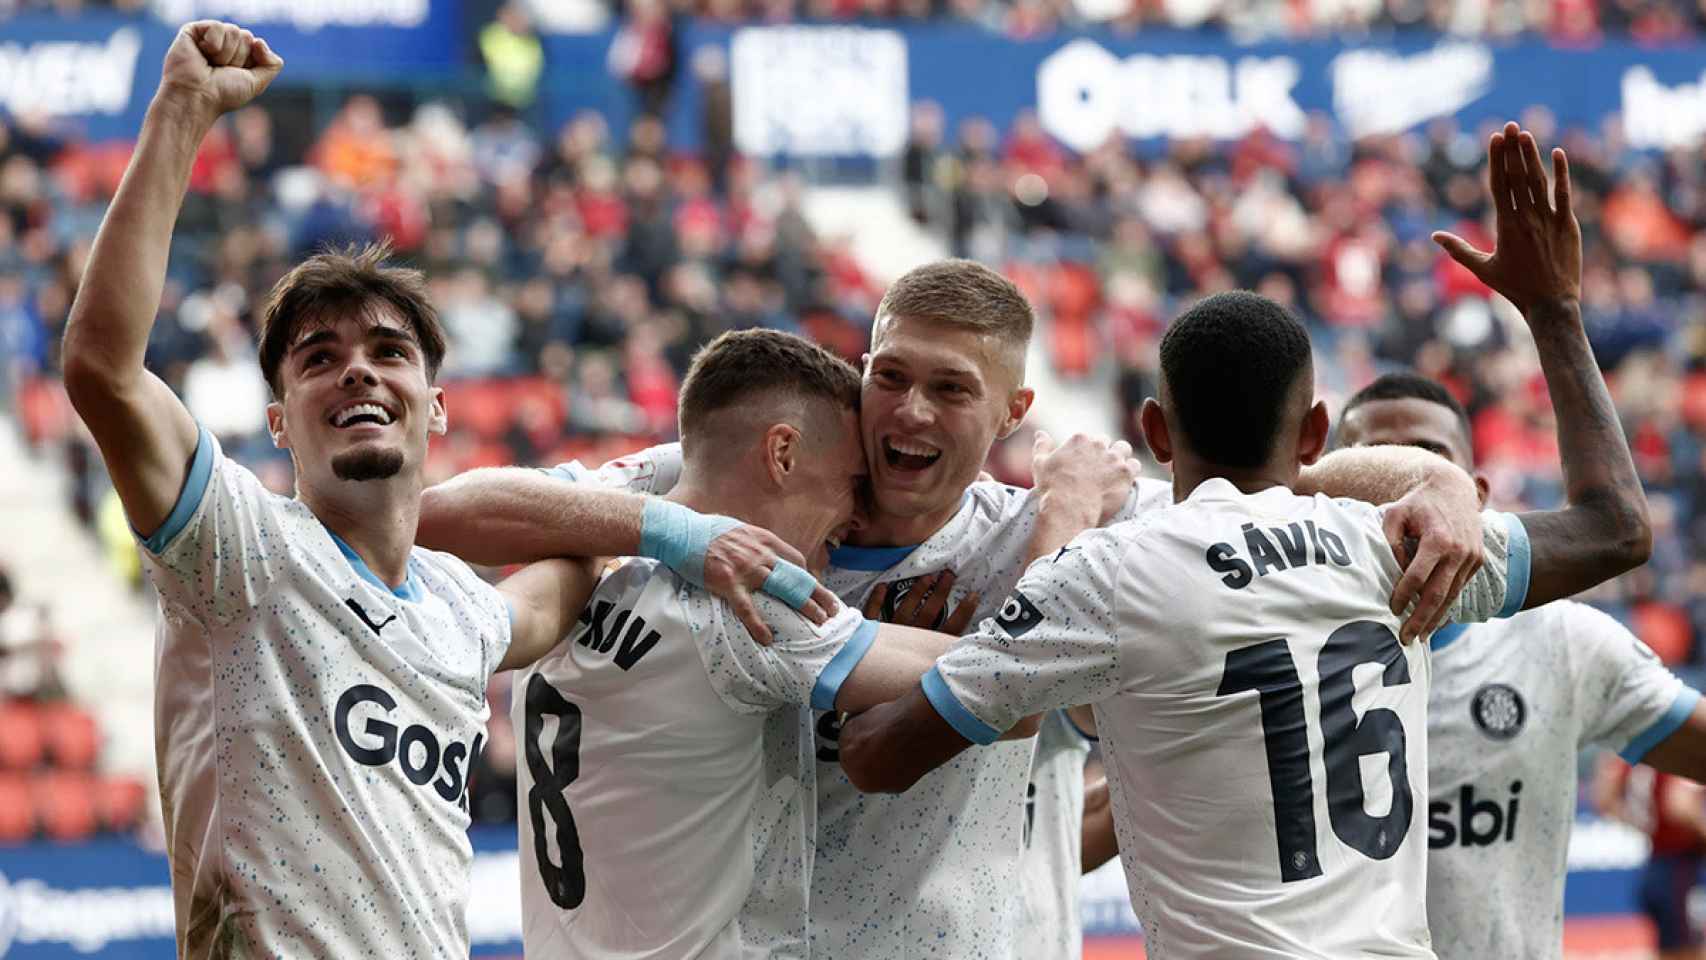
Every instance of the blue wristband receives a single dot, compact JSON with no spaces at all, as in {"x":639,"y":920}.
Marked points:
{"x":678,"y":537}
{"x":790,"y":583}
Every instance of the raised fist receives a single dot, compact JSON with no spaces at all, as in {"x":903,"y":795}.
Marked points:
{"x":217,"y":66}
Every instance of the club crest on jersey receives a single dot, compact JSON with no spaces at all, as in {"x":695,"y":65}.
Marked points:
{"x":898,"y":591}
{"x":1018,"y":615}
{"x":1498,"y":710}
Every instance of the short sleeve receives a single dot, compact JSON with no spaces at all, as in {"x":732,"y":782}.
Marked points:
{"x":1626,"y":698}
{"x":223,"y":544}
{"x":804,"y":664}
{"x":654,"y":470}
{"x":1500,"y":587}
{"x":1054,"y":643}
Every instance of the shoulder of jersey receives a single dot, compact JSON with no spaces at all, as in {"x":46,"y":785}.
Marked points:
{"x":994,"y":497}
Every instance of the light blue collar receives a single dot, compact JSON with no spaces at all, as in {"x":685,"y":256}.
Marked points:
{"x":883,"y":558}
{"x":411,"y":588}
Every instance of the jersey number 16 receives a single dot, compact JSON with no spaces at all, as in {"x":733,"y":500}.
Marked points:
{"x":1268,"y":669}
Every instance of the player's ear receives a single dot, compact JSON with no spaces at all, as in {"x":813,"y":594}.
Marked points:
{"x":1312,"y":438}
{"x":782,"y":449}
{"x":1482,"y":488}
{"x":1018,"y":404}
{"x":439,"y":420}
{"x":275,"y":425}
{"x":1154,"y":424}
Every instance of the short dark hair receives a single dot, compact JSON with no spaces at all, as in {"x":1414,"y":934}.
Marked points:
{"x":961,"y":293}
{"x":334,"y":282}
{"x":742,"y":364}
{"x":1230,"y":363}
{"x":1409,"y":385}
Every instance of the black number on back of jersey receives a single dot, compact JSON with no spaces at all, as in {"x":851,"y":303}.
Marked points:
{"x":1268,"y":669}
{"x":566,"y":883}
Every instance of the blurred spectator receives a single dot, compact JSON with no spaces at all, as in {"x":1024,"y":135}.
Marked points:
{"x":644,"y":53}
{"x":514,"y":57}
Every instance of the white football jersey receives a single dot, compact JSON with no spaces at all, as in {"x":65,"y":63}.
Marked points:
{"x":314,"y":729}
{"x":1265,"y":734}
{"x":933,"y":872}
{"x":1052,"y":861}
{"x":1513,"y":702}
{"x":643,"y":777}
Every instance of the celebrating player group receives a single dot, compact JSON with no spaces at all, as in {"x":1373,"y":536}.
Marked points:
{"x":1309,"y":671}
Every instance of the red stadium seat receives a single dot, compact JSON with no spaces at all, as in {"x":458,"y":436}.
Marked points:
{"x":119,"y":802}
{"x":480,"y":406}
{"x":73,"y":737}
{"x":22,"y":740}
{"x":17,"y":811}
{"x":1665,"y":628}
{"x":65,"y":805}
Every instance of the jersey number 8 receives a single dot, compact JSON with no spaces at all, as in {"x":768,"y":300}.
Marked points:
{"x":565,"y":883}
{"x":1268,"y":669}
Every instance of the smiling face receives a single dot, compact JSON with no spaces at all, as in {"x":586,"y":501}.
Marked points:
{"x":935,"y":398}
{"x":357,"y":404}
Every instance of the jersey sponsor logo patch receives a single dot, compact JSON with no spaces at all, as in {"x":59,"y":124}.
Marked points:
{"x":1498,"y":710}
{"x":415,"y":749}
{"x":1018,"y":615}
{"x":898,"y":592}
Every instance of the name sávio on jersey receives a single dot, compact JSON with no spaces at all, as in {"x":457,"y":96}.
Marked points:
{"x":416,"y":750}
{"x":624,"y":635}
{"x":1472,"y":821}
{"x":1274,"y":550}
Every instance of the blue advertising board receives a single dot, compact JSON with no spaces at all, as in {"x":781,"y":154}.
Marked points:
{"x":1149,"y":86}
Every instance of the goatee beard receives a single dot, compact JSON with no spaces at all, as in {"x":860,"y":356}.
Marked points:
{"x":368,"y":463}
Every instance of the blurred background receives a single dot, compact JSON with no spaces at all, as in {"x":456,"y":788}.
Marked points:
{"x":596,"y":188}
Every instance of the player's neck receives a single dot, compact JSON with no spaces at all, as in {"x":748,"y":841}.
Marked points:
{"x":1191,"y":471}
{"x":378,"y":523}
{"x":894,"y":530}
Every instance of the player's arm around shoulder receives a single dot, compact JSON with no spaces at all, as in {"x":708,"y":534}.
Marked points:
{"x":1052,"y":645}
{"x":145,"y":434}
{"x":545,"y":599}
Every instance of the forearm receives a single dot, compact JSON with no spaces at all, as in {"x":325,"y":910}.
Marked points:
{"x":1098,"y":844}
{"x":504,"y":515}
{"x":892,"y":746}
{"x":1604,"y":530}
{"x":106,"y":335}
{"x":545,"y":599}
{"x":1378,"y":475}
{"x":1059,"y":519}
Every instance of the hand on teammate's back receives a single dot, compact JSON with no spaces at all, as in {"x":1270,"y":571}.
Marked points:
{"x":923,"y":604}
{"x":742,"y":560}
{"x":1537,"y":249}
{"x":1435,"y":531}
{"x":217,"y":67}
{"x":1086,"y":469}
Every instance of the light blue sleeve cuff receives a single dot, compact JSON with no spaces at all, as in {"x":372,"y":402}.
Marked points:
{"x":189,"y":498}
{"x":1666,"y":725}
{"x":829,"y":682}
{"x":572,"y":471}
{"x":1518,"y":561}
{"x":937,"y":692}
{"x":1090,"y":737}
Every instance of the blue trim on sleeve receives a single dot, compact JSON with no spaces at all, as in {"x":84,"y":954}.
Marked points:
{"x":840,"y":666}
{"x":571,"y":471}
{"x":869,"y":558}
{"x":1518,"y":561}
{"x":411,"y":588}
{"x":1446,"y":636}
{"x":189,"y":498}
{"x":1078,"y":729}
{"x":943,"y":699}
{"x":1662,"y":728}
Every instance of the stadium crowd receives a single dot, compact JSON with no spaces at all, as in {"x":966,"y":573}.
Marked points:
{"x":578,"y":269}
{"x":1569,"y":21}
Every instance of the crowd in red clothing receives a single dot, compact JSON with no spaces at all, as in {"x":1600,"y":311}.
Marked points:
{"x":577,"y":270}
